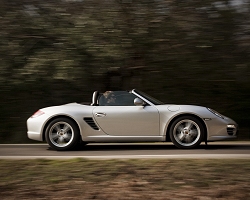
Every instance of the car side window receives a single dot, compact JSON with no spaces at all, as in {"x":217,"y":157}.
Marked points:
{"x":116,"y":98}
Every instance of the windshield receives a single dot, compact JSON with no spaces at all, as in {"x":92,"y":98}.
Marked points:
{"x":148,"y":97}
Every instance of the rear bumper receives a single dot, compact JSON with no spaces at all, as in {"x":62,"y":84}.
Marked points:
{"x":34,"y":136}
{"x":35,"y":127}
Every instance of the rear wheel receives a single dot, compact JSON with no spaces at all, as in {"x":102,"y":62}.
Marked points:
{"x":62,"y":134}
{"x":186,"y":132}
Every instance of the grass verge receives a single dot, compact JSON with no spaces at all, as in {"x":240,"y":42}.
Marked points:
{"x":125,"y":179}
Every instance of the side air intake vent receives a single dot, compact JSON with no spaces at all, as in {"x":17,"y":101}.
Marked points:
{"x":91,"y":123}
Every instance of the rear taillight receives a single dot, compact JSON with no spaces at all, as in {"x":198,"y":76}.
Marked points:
{"x":37,"y":114}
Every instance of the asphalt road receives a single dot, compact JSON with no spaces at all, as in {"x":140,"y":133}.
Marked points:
{"x":215,"y":150}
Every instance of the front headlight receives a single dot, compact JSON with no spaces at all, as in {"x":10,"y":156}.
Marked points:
{"x":216,"y":113}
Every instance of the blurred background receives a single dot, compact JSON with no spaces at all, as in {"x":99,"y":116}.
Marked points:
{"x":183,"y":52}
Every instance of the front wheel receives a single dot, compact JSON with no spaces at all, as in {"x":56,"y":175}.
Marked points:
{"x":62,"y":134}
{"x":186,"y":132}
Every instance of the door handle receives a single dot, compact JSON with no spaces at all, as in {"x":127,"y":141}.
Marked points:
{"x":100,"y":114}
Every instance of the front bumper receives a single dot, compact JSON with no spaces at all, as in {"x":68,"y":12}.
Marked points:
{"x":221,"y":129}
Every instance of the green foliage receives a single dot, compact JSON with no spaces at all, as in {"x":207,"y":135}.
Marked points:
{"x":189,"y":52}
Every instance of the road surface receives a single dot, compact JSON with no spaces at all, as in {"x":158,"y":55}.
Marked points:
{"x":214,"y":150}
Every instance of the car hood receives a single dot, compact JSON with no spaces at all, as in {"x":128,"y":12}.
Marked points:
{"x":187,"y":109}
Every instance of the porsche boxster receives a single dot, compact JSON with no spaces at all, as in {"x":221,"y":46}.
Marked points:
{"x":128,"y":116}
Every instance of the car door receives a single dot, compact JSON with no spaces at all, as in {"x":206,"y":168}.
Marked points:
{"x":126,"y":119}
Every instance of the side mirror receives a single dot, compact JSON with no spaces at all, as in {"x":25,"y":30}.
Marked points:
{"x":139,"y":102}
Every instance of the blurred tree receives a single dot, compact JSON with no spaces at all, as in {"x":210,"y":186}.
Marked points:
{"x":179,"y":51}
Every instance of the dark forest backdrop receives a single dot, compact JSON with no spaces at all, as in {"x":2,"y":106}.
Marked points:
{"x":186,"y":52}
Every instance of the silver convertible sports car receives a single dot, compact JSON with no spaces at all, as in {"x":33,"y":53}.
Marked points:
{"x":128,"y":116}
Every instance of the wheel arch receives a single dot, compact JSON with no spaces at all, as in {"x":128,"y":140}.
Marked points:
{"x":55,"y":117}
{"x":181,"y":115}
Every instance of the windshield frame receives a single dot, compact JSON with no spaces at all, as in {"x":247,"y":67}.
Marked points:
{"x":147,"y":97}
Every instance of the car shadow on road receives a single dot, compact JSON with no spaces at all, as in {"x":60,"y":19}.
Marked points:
{"x":161,"y":146}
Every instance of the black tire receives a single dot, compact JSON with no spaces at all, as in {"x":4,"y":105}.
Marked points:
{"x":187,"y":132}
{"x":62,"y":134}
